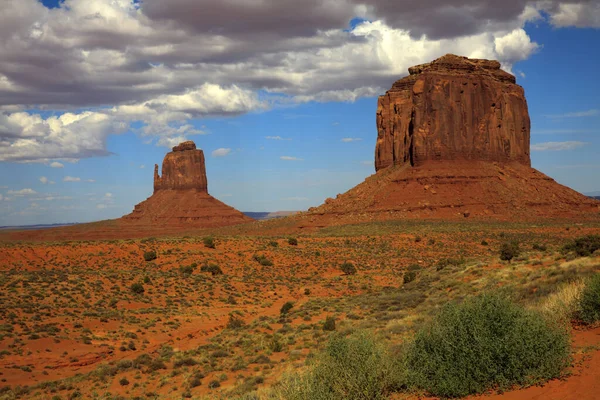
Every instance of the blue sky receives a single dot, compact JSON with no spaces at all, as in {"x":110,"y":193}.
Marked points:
{"x":290,"y":142}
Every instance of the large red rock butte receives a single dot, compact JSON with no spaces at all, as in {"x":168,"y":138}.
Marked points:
{"x":181,"y":196}
{"x":453,"y":142}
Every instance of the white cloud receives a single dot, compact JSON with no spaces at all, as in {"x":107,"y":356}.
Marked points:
{"x":222,"y":152}
{"x":43,"y":179}
{"x":557,"y":146}
{"x":159,"y":66}
{"x":90,"y":180}
{"x":71,"y":179}
{"x":348,"y":140}
{"x":290,"y":158}
{"x":276,"y":138}
{"x":577,"y":114}
{"x":108,"y":195}
{"x":22,"y":192}
{"x":56,"y":164}
{"x":142,"y":166}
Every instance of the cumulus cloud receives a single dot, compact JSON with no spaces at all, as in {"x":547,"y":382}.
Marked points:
{"x":56,"y":164}
{"x":105,"y":66}
{"x":22,"y":192}
{"x":222,"y":152}
{"x":71,"y":179}
{"x":290,"y":158}
{"x":348,"y":140}
{"x":557,"y":146}
{"x":43,"y":179}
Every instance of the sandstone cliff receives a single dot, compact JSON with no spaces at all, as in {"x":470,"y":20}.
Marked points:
{"x":182,"y":169}
{"x":453,"y":108}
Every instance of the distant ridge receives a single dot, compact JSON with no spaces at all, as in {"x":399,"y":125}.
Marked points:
{"x":269,"y":215}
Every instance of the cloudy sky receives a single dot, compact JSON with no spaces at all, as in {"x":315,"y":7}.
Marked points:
{"x":280,"y":94}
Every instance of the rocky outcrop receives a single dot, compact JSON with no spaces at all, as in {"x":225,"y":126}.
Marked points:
{"x":182,"y":169}
{"x":181,"y":196}
{"x":453,"y":108}
{"x":453,"y":143}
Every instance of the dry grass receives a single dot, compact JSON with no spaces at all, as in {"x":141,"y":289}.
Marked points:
{"x":563,"y":304}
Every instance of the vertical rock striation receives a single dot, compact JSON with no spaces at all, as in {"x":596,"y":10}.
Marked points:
{"x":453,"y":108}
{"x":182,"y":169}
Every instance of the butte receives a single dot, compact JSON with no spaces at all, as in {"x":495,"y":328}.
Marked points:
{"x":453,"y":141}
{"x":181,"y":198}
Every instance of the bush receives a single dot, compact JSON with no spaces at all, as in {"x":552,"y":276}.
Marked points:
{"x":209,"y":242}
{"x":137,"y":288}
{"x":354,"y":367}
{"x":584,"y":246}
{"x":348,"y":268}
{"x":150,"y":256}
{"x":293,"y":241}
{"x":329,"y":324}
{"x":273,"y":243}
{"x":123,"y":382}
{"x":262,"y":260}
{"x":486,"y":343}
{"x":186,"y":269}
{"x":409,"y":276}
{"x":589,"y":302}
{"x":214,"y":269}
{"x":509,"y":250}
{"x":286,"y":308}
{"x":235,"y":322}
{"x":214,"y":384}
{"x":539,"y":247}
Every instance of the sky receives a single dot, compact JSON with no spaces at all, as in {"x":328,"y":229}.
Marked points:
{"x":280,"y":94}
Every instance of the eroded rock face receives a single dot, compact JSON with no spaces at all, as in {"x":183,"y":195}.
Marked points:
{"x":182,"y":169}
{"x":453,"y":108}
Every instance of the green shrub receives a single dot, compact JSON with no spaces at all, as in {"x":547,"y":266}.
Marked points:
{"x":150,"y":256}
{"x":485,"y":343}
{"x":539,"y":247}
{"x":186,"y":269}
{"x":214,"y":269}
{"x":409,"y":276}
{"x":235,"y":322}
{"x":262,"y":260}
{"x":137,"y":288}
{"x":348,"y":268}
{"x":123,"y":382}
{"x":273,"y":243}
{"x":329,"y":324}
{"x":509,"y":250}
{"x":352,"y":368}
{"x":214,"y":384}
{"x":589,"y":302}
{"x":209,"y":242}
{"x":286,"y":308}
{"x":584,"y":246}
{"x":293,"y":241}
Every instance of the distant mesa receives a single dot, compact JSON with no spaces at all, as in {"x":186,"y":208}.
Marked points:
{"x":453,"y":141}
{"x":181,"y":196}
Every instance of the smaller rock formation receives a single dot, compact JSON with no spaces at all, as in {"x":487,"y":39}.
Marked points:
{"x":181,"y":196}
{"x":182,"y":169}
